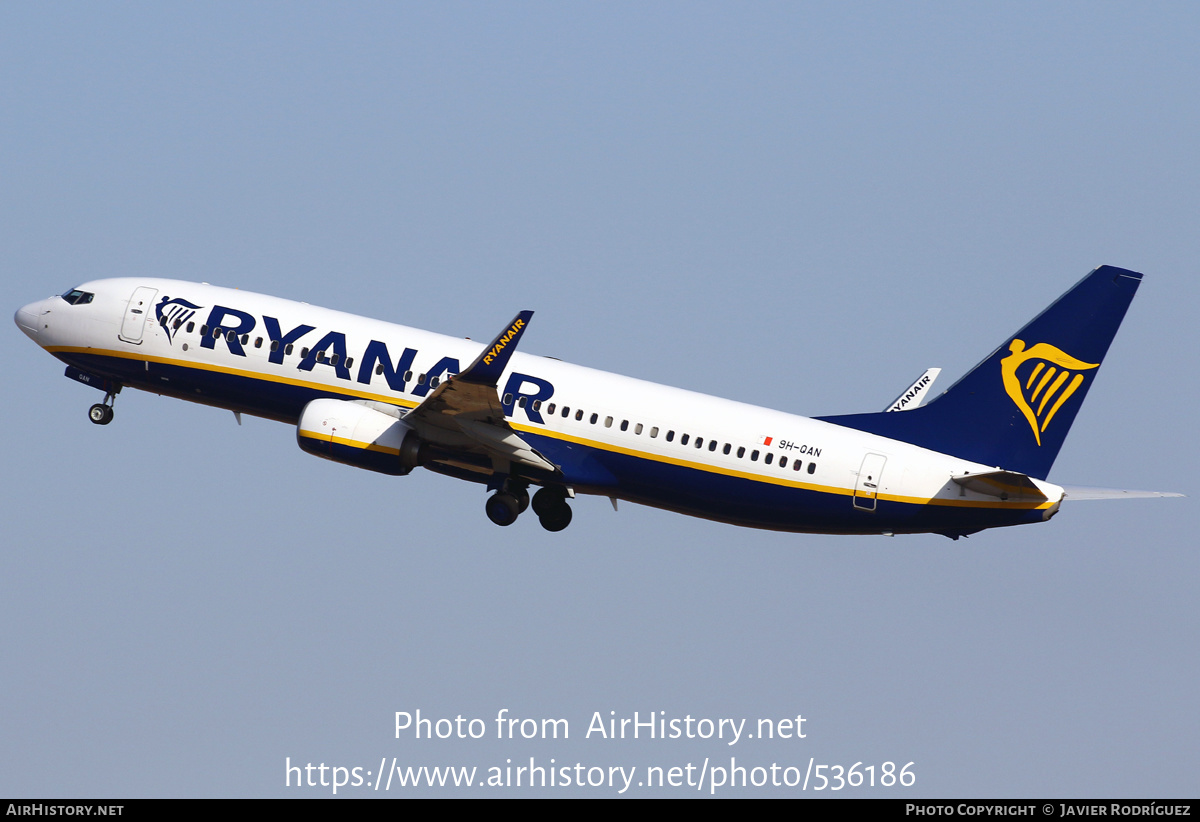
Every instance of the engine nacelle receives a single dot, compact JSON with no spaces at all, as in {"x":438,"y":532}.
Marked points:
{"x":365,"y":435}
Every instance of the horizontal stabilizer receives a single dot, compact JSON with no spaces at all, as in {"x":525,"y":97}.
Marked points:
{"x":1081,"y":492}
{"x":1007,"y":485}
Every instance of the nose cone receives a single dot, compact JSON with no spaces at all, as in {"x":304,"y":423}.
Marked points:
{"x":26,"y":319}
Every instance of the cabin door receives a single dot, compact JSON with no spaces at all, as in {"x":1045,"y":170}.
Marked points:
{"x":136,"y":313}
{"x":866,"y":487}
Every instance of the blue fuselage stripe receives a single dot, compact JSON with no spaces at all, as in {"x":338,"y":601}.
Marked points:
{"x":637,"y":478}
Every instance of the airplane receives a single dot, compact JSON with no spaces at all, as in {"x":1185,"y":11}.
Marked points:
{"x":390,"y":398}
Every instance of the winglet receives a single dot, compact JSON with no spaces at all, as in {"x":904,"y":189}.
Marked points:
{"x":916,"y":394}
{"x":490,"y":364}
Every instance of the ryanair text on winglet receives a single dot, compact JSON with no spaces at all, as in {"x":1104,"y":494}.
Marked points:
{"x":504,"y":340}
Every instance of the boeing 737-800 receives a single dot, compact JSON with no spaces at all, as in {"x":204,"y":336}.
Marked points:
{"x":391,"y":398}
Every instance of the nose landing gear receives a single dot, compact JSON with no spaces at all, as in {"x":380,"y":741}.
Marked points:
{"x":102,"y":412}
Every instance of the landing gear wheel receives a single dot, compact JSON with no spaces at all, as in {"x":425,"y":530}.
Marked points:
{"x":503,"y":508}
{"x":557,"y":518}
{"x":100,"y":414}
{"x":548,"y":498}
{"x":522,"y":497}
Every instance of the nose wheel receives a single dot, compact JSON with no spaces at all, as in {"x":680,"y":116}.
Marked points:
{"x":102,"y":412}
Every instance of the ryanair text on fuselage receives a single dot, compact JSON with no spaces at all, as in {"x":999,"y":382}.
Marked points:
{"x":392,"y":399}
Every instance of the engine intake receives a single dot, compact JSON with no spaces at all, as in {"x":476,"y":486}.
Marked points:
{"x":365,"y":435}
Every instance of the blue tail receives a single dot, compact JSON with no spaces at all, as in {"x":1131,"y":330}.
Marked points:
{"x":1014,"y":409}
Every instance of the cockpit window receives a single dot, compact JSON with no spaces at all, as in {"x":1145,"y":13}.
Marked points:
{"x":77,"y":297}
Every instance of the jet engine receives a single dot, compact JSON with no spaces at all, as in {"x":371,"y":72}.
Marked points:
{"x":364,"y":434}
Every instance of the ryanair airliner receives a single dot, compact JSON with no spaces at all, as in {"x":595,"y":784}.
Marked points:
{"x":390,"y":398}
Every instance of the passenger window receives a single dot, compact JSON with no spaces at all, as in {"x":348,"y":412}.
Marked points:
{"x":203,"y":330}
{"x":812,"y":468}
{"x":333,"y":359}
{"x":550,"y":409}
{"x":274,"y":345}
{"x":433,"y":383}
{"x":754,"y":455}
{"x":216,"y":333}
{"x":378,"y":369}
{"x":520,"y":403}
{"x":624,"y":425}
{"x":579,"y":414}
{"x":727,"y":448}
{"x":783,"y":462}
{"x":683,"y":439}
{"x":421,"y":381}
{"x":741,"y":451}
{"x":407,"y":374}
{"x":320,"y":356}
{"x":566,"y":412}
{"x":176,"y":324}
{"x":638,"y":428}
{"x":712,"y":445}
{"x":288,"y":350}
{"x":507,"y":399}
{"x":608,"y":422}
{"x":769,"y":458}
{"x":537,"y":404}
{"x":245,"y":339}
{"x":304,"y":353}
{"x":670,"y":436}
{"x":699,"y":442}
{"x":191,"y":327}
{"x":258,"y":342}
{"x":349,"y":362}
{"x":594,"y":418}
{"x":796,"y":465}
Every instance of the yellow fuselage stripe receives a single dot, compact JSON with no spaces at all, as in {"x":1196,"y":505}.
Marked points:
{"x":590,"y":443}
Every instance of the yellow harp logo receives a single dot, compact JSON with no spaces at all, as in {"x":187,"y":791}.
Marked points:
{"x":1049,"y":383}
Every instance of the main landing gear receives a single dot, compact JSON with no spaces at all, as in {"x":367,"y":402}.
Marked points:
{"x":549,"y":503}
{"x":504,"y":506}
{"x":102,"y":412}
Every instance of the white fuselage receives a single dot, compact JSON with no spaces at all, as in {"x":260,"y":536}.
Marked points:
{"x":611,"y":435}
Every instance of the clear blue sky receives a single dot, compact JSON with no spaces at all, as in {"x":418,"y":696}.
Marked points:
{"x":796,"y":205}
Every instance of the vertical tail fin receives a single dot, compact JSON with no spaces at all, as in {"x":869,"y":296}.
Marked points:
{"x":1014,"y":409}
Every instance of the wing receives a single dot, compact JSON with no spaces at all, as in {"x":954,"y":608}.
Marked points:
{"x":465,"y":412}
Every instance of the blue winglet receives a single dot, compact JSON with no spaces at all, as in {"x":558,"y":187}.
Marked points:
{"x":490,"y":364}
